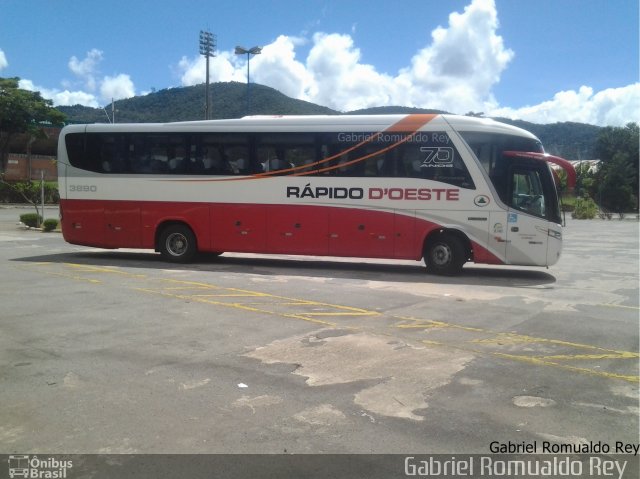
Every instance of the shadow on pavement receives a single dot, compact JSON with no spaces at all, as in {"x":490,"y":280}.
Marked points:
{"x":307,"y":266}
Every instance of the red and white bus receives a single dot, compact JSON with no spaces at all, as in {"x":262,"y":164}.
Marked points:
{"x":443,"y":188}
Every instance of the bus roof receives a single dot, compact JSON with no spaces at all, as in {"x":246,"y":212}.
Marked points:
{"x":320,"y":123}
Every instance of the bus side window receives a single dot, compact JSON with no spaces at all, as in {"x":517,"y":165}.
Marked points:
{"x":299,"y":156}
{"x":104,"y":153}
{"x":239,"y":160}
{"x":75,"y":143}
{"x":214,"y":162}
{"x":438,"y":160}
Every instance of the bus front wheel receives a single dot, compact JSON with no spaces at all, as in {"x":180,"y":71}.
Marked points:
{"x":177,"y":243}
{"x":444,"y":255}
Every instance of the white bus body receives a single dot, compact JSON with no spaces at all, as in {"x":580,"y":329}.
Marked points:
{"x":444,"y":188}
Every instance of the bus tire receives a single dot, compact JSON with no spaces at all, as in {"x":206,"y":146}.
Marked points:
{"x":177,"y":243}
{"x":445,"y":255}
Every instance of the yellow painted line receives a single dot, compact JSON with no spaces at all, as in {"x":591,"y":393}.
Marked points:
{"x":593,"y":372}
{"x":302,"y":302}
{"x":501,"y":338}
{"x":340,"y":310}
{"x":636,"y":308}
{"x":193,"y":283}
{"x":294,"y":301}
{"x":63,"y":275}
{"x":189,"y":288}
{"x":418,"y":326}
{"x":99,"y":269}
{"x":513,"y":338}
{"x":536,"y":361}
{"x":240,"y":306}
{"x":74,"y":277}
{"x":430,"y":323}
{"x":219,"y":295}
{"x":579,"y":357}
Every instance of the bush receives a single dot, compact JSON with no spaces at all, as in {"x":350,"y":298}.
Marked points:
{"x":16,"y":191}
{"x":49,"y":224}
{"x":585,"y":209}
{"x":31,"y":219}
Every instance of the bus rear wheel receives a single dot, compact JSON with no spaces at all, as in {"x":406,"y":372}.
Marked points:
{"x":177,"y":243}
{"x":445,"y":255}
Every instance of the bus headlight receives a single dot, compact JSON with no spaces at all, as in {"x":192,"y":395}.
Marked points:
{"x":555,"y":234}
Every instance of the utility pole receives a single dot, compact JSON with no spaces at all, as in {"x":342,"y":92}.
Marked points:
{"x":208,"y":49}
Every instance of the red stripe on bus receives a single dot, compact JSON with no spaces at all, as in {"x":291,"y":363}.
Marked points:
{"x":256,"y":228}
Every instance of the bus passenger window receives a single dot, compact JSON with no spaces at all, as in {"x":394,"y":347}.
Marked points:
{"x":238,"y":158}
{"x":436,"y":159}
{"x":105,"y":153}
{"x":213,"y":162}
{"x":220,"y":154}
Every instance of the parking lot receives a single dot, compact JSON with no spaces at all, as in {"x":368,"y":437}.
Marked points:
{"x":118,"y":352}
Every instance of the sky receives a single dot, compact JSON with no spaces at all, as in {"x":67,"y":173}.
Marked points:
{"x":543,"y":61}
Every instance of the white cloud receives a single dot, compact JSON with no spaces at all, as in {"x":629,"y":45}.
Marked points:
{"x":86,"y":69}
{"x":61,"y":98}
{"x":277,"y":65}
{"x":70,"y":98}
{"x":222,"y":68}
{"x":117,"y":87}
{"x":613,"y":106}
{"x":455,"y":72}
{"x":3,"y":61}
{"x":340,"y":81}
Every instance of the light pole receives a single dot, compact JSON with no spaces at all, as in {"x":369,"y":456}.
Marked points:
{"x":249,"y":52}
{"x":208,"y":49}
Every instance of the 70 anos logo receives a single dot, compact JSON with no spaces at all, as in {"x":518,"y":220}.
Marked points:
{"x":437,"y":157}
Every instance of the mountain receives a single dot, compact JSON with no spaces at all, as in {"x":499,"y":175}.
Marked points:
{"x":574,"y":141}
{"x":570,"y":140}
{"x":228,"y":100}
{"x":394,"y":110}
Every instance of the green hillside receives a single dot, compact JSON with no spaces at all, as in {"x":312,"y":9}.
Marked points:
{"x":228,"y":100}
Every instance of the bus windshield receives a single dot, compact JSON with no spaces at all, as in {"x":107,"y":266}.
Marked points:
{"x":524,"y":184}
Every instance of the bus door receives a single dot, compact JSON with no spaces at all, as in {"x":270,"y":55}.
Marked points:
{"x":527,"y":226}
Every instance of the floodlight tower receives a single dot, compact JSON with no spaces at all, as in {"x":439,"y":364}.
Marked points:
{"x":208,"y":49}
{"x":248,"y":52}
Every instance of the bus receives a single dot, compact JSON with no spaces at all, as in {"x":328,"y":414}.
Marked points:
{"x":441,"y":188}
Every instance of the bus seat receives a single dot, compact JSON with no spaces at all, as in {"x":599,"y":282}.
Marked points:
{"x":242,"y":166}
{"x":277,"y":164}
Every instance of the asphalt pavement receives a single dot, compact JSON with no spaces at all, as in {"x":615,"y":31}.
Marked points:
{"x":110,"y":352}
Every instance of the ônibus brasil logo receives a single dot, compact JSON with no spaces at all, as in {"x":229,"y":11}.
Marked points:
{"x":34,"y":467}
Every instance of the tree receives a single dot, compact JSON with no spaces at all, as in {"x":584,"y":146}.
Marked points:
{"x":618,"y":148}
{"x":616,"y":191}
{"x":22,"y":111}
